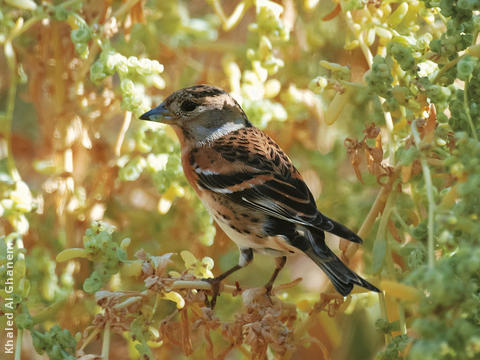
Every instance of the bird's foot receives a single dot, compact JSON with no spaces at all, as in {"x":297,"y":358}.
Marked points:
{"x":268,"y":292}
{"x":279,"y":264}
{"x":215,"y":289}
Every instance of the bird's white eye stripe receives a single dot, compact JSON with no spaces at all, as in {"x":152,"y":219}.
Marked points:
{"x":199,"y":170}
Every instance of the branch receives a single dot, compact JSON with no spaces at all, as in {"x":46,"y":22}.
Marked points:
{"x":237,"y":14}
{"x":106,"y":341}
{"x":18,"y":348}
{"x":121,"y":135}
{"x":203,"y":285}
{"x":376,"y":208}
{"x":467,"y":109}
{"x":431,"y":202}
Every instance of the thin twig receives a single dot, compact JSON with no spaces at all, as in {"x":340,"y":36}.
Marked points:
{"x":431,"y":202}
{"x":401,"y":320}
{"x":106,"y":341}
{"x":154,"y":309}
{"x":70,"y":2}
{"x":89,"y":338}
{"x":27,"y":25}
{"x":203,"y":285}
{"x":382,"y":227}
{"x":18,"y":349}
{"x":286,"y":285}
{"x":121,"y":135}
{"x":49,"y":312}
{"x":245,"y":352}
{"x":383,"y":310}
{"x":237,"y":14}
{"x":467,"y":109}
{"x":365,"y":49}
{"x":376,"y":208}
{"x":447,"y":66}
{"x":8,"y":118}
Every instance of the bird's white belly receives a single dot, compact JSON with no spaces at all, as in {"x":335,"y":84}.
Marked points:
{"x":271,"y":245}
{"x":242,"y":240}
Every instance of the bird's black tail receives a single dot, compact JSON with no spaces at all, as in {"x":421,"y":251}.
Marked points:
{"x":325,"y":223}
{"x":339,"y":274}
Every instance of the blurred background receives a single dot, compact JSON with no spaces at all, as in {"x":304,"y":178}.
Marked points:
{"x":81,"y":176}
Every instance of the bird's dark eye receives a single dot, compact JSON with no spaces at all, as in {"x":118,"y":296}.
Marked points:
{"x":188,"y":105}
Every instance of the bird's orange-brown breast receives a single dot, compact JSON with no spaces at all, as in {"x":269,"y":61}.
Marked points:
{"x":225,"y":212}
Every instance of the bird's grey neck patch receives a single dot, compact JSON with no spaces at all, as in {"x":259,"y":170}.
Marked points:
{"x":209,"y":135}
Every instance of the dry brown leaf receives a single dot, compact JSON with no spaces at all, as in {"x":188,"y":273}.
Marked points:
{"x":353,"y":151}
{"x":359,"y":151}
{"x":371,"y":131}
{"x":185,"y":326}
{"x":262,"y":324}
{"x":333,"y":14}
{"x":406,"y":173}
{"x":428,"y":130}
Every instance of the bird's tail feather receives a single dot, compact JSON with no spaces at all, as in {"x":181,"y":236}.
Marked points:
{"x":339,"y":274}
{"x":330,"y":225}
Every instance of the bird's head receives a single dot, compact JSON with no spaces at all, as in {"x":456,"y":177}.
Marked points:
{"x":202,"y":113}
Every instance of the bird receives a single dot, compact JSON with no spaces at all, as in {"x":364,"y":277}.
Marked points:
{"x":250,"y":186}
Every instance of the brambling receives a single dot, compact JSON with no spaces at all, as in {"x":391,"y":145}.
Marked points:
{"x":250,"y":186}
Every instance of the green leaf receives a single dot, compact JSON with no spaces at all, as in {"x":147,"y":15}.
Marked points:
{"x":379,"y":252}
{"x":406,"y":156}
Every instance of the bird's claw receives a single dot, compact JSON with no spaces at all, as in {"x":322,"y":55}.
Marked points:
{"x":268,"y":292}
{"x":215,"y":289}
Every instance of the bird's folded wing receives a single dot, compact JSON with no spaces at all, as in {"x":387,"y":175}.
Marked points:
{"x":285,"y":198}
{"x":248,"y":168}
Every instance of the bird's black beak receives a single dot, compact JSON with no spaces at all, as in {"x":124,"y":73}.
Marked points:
{"x":158,"y":114}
